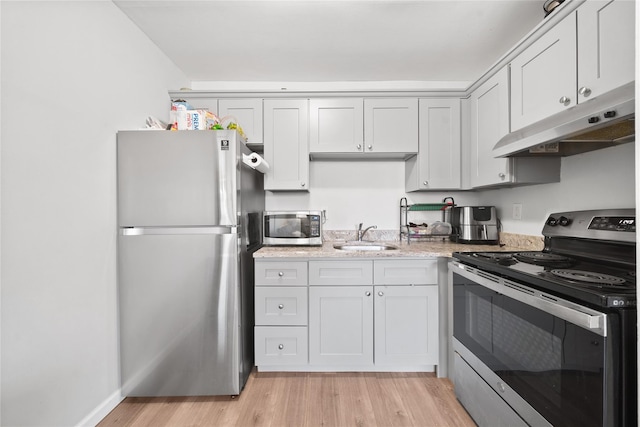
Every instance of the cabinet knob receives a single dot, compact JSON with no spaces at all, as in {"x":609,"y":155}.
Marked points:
{"x":501,"y":175}
{"x":501,"y":387}
{"x":584,"y":91}
{"x":302,"y":184}
{"x":368,"y":293}
{"x":280,"y":347}
{"x":359,"y":147}
{"x":280,"y":273}
{"x":425,"y":183}
{"x":381,"y":293}
{"x":370,"y":147}
{"x":564,"y":100}
{"x":280,"y":306}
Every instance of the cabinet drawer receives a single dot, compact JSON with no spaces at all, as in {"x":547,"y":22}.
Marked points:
{"x":336,"y":273}
{"x":484,"y":405}
{"x":286,"y":345}
{"x":405,"y":272}
{"x":281,"y":306}
{"x":281,"y":273}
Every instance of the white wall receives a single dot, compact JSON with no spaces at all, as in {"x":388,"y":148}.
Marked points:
{"x":73,"y":73}
{"x":360,"y":191}
{"x":370,"y":192}
{"x":594,"y":180}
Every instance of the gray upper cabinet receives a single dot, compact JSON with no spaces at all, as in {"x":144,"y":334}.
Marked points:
{"x":248,"y":115}
{"x":544,"y":76}
{"x":437,"y":165}
{"x":391,"y":126}
{"x":363,"y":128}
{"x":336,"y":125}
{"x":286,"y":144}
{"x":588,"y":53}
{"x":489,"y":121}
{"x":606,"y":46}
{"x":200,"y":103}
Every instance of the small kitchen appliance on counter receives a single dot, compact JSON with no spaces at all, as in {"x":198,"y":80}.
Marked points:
{"x":292,"y":228}
{"x":548,"y":338}
{"x":475,"y":225}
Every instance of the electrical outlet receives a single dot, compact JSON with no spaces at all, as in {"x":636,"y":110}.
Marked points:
{"x":517,"y":211}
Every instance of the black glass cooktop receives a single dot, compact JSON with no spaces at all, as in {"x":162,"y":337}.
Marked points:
{"x":586,"y":282}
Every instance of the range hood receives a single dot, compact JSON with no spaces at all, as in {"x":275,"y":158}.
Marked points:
{"x":601,"y":122}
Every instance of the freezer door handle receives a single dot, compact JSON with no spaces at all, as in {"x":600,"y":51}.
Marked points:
{"x":147,"y":231}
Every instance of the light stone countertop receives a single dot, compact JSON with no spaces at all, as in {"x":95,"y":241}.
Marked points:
{"x":428,"y":249}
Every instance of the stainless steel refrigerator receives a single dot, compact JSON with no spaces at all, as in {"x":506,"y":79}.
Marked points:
{"x":189,"y":221}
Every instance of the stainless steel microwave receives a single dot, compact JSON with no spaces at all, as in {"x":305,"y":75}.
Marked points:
{"x":292,"y":228}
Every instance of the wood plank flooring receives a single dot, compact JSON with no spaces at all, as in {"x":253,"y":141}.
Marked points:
{"x":359,"y":399}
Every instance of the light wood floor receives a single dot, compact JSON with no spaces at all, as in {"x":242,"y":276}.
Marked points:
{"x":307,"y":399}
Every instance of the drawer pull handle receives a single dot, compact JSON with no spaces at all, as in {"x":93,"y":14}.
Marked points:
{"x":280,"y":273}
{"x":381,"y":293}
{"x":368,"y":293}
{"x":280,"y":347}
{"x":280,"y":306}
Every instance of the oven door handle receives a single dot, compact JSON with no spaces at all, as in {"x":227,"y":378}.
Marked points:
{"x":578,"y":315}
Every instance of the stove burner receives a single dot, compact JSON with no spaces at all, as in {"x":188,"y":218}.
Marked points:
{"x":494,"y":255}
{"x":542,"y":258}
{"x":588,"y":277}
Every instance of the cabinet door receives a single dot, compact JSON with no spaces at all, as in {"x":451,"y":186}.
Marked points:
{"x":336,"y":125}
{"x":286,"y":144}
{"x":489,"y":122}
{"x":341,"y":325}
{"x":544,"y":76}
{"x":391,"y":125}
{"x":248,"y":113}
{"x":406,"y":325}
{"x":606,"y":46}
{"x":437,"y":165}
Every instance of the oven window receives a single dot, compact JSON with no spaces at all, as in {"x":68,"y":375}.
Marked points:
{"x":557,"y":367}
{"x":287,"y":226}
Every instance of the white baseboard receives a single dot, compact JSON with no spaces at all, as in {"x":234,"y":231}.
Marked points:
{"x":102,"y":410}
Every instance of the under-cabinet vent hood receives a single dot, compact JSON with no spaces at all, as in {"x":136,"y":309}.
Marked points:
{"x":601,"y":122}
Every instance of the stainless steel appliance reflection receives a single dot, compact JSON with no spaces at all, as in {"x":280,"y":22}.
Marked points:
{"x":189,"y":215}
{"x":475,"y":224}
{"x":549,"y":337}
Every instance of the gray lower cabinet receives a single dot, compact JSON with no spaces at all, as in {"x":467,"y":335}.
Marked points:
{"x":281,"y":337}
{"x":363,"y":314}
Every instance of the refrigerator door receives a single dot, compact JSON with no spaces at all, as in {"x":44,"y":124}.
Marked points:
{"x":185,"y":178}
{"x":179,"y":307}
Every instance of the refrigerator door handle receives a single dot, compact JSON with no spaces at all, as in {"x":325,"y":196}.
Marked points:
{"x":147,"y":231}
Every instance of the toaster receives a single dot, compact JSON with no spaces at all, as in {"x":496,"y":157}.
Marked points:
{"x":475,"y":225}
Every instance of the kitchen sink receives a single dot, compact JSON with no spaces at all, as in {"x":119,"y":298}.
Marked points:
{"x":360,"y":246}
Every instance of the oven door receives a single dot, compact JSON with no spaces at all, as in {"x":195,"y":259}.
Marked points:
{"x":553,"y":354}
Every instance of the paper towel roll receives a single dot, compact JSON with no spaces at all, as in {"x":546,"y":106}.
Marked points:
{"x":256,"y":162}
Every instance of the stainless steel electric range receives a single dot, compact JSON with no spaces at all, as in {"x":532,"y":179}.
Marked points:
{"x":549,"y":337}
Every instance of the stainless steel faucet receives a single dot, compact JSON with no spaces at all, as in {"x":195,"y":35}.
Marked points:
{"x":361,"y":232}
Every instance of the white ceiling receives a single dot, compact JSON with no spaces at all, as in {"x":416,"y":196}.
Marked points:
{"x":334,"y":41}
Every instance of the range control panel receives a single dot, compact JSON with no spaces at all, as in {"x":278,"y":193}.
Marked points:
{"x":601,"y":224}
{"x":613,"y":223}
